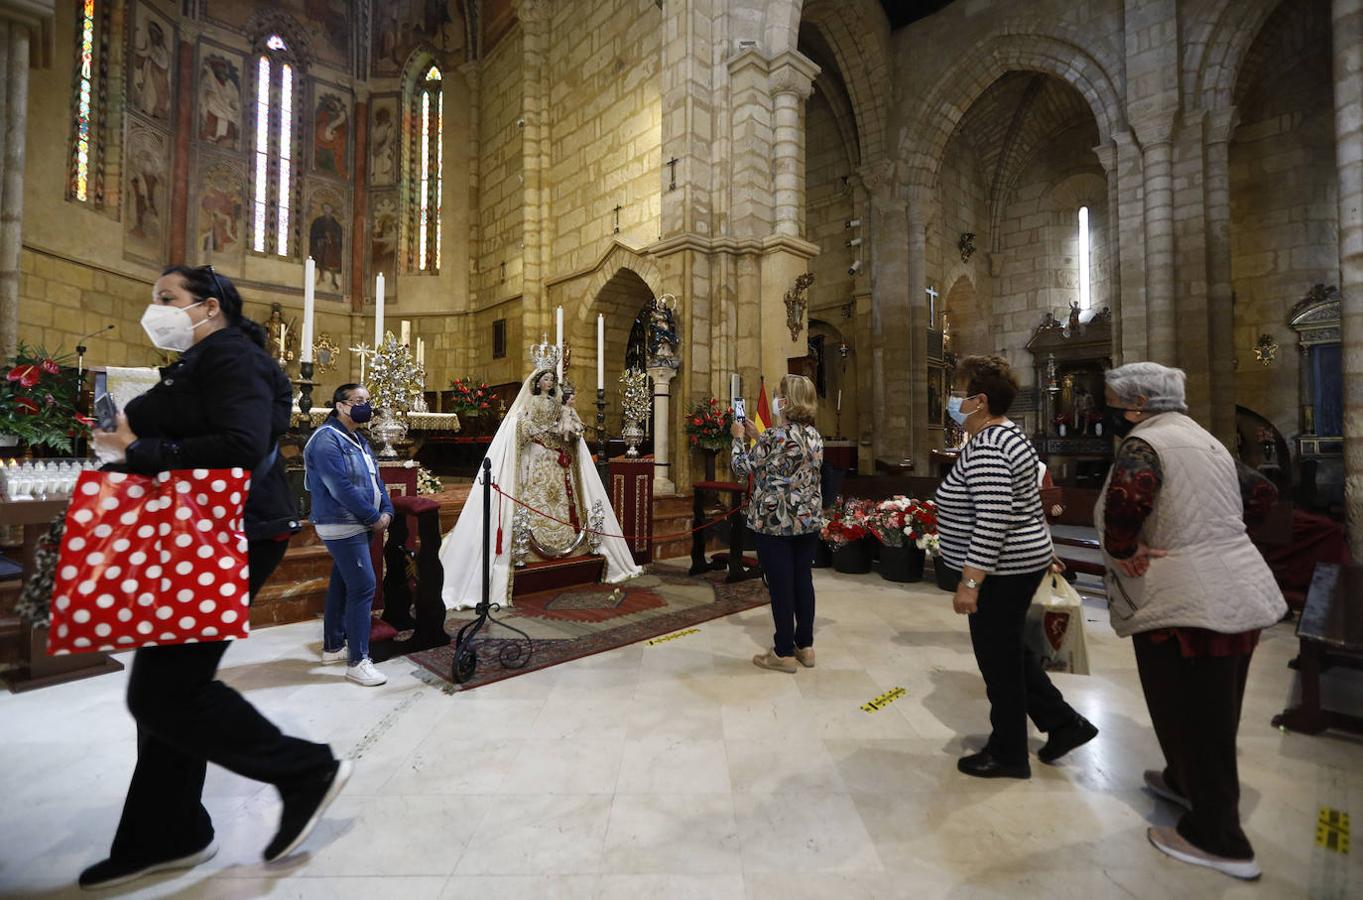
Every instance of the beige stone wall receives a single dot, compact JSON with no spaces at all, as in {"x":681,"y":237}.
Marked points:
{"x":605,"y":131}
{"x":965,"y":288}
{"x":1284,"y":213}
{"x":501,"y":217}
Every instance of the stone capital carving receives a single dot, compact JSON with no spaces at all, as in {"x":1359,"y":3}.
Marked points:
{"x":793,"y":73}
{"x":878,"y":177}
{"x":535,"y":11}
{"x":1107,"y":156}
{"x":1221,"y":124}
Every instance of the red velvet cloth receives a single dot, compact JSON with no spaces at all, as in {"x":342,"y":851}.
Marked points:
{"x":1315,"y":539}
{"x":413,"y":506}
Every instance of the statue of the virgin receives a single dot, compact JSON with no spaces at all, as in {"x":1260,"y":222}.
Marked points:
{"x":540,"y":458}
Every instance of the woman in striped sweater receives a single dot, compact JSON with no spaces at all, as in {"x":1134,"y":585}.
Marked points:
{"x":996,"y":544}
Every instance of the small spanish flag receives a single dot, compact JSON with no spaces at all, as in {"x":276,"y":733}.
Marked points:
{"x":763,"y":409}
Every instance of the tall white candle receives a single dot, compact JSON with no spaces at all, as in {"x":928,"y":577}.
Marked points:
{"x":378,"y":312}
{"x":309,"y":308}
{"x":558,"y":339}
{"x":420,"y":352}
{"x":406,"y":333}
{"x":839,"y":399}
{"x":600,"y":353}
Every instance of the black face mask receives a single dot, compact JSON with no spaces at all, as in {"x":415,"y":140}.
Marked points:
{"x":361,"y":413}
{"x":1117,"y":422}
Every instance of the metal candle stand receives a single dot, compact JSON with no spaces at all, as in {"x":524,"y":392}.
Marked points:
{"x":513,"y":655}
{"x":600,"y":426}
{"x":304,"y":383}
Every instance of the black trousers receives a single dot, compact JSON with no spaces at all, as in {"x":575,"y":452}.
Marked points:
{"x":1195,"y":705}
{"x":1016,"y":684}
{"x":788,"y":563}
{"x":187,"y":719}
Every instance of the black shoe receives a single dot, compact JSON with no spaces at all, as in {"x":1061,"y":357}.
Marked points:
{"x":984,"y":765}
{"x":303,"y":808}
{"x":112,"y":872}
{"x":1063,"y":740}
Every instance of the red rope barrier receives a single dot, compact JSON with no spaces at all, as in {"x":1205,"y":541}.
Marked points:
{"x":656,"y":539}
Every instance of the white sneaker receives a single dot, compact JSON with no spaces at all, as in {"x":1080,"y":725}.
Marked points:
{"x":1171,"y":843}
{"x":334,"y":656}
{"x":364,"y":673}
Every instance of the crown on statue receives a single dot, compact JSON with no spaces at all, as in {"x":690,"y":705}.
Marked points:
{"x":544,"y":355}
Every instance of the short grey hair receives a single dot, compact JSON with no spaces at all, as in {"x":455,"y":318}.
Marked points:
{"x":1161,"y":386}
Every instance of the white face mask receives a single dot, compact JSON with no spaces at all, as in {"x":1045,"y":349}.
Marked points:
{"x":778,"y":405}
{"x":170,"y":327}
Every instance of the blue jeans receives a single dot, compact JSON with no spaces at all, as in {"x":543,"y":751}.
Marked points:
{"x":350,"y":597}
{"x":788,"y":563}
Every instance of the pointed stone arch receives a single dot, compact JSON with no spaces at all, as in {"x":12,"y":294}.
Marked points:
{"x":1217,"y":46}
{"x":1058,"y":54}
{"x":617,"y":259}
{"x":858,"y":35}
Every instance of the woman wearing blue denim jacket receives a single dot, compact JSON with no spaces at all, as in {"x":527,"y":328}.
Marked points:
{"x":349,"y":504}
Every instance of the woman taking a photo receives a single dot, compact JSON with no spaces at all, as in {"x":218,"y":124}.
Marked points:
{"x":997,"y":546}
{"x":222,"y":405}
{"x":350,"y":504}
{"x":786,"y":514}
{"x":1191,"y":591}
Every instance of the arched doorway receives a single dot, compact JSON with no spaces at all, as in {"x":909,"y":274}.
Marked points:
{"x":621,"y":300}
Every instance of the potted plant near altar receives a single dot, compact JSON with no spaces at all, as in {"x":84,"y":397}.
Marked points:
{"x":907,"y":531}
{"x":707,"y":429}
{"x":38,"y":402}
{"x":473,"y":404}
{"x":848,"y":533}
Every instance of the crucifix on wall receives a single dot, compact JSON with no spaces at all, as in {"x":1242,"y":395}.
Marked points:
{"x":932,"y":306}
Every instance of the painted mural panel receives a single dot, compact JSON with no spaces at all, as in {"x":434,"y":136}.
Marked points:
{"x":328,"y":23}
{"x":384,"y":140}
{"x":150,"y":81}
{"x":331,"y":127}
{"x":147,"y":190}
{"x":400,"y":26}
{"x":326,"y":237}
{"x":220,"y":231}
{"x":219,"y":97}
{"x":383,"y":237}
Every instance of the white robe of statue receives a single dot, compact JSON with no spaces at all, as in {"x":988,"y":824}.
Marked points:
{"x":527,"y":456}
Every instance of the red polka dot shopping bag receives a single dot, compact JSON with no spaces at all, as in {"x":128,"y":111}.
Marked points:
{"x":150,"y":560}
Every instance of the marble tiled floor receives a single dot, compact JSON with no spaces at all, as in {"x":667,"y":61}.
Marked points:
{"x":680,"y":770}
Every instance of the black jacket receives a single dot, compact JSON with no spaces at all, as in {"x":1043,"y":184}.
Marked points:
{"x":224,"y":404}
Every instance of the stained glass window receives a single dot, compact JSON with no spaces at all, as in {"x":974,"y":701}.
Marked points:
{"x":272,"y":213}
{"x":1085,"y":297}
{"x":87,"y":57}
{"x":429,"y":163}
{"x":89,"y":90}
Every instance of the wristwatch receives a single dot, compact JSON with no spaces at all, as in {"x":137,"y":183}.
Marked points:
{"x":971,"y":584}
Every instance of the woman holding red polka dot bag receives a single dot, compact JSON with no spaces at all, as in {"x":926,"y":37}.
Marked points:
{"x":191,"y":483}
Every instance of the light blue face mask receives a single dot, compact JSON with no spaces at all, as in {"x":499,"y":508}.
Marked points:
{"x":954,"y":410}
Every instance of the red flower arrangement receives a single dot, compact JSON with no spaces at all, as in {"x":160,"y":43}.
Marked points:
{"x":849,"y":520}
{"x":38,"y":401}
{"x":901,"y":519}
{"x":471,"y":399}
{"x":707,"y":425}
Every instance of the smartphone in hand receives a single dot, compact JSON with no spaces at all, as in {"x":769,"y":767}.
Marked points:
{"x":106,"y":413}
{"x":740,"y":410}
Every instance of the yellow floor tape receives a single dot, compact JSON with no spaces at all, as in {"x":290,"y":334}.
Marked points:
{"x":672,"y":637}
{"x":883,"y":700}
{"x":1332,"y":830}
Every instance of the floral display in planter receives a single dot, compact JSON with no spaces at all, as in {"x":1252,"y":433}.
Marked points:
{"x":474,"y":404}
{"x":848,"y":533}
{"x":427,"y":482}
{"x":38,"y":401}
{"x":707,"y":429}
{"x":907,"y":530}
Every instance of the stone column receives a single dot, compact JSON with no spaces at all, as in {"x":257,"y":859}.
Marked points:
{"x":1159,"y":256}
{"x":792,"y":81}
{"x":1220,"y":313}
{"x":887,"y":230}
{"x":534,"y":16}
{"x":915,"y":405}
{"x":184,"y":129}
{"x":1347,"y":22}
{"x":662,"y":376}
{"x":1107,"y":157}
{"x":359,"y":214}
{"x":14,"y":126}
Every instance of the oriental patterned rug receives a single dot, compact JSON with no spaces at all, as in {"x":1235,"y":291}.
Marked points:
{"x":579,"y":621}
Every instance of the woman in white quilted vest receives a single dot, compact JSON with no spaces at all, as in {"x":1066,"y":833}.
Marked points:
{"x":1191,"y":591}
